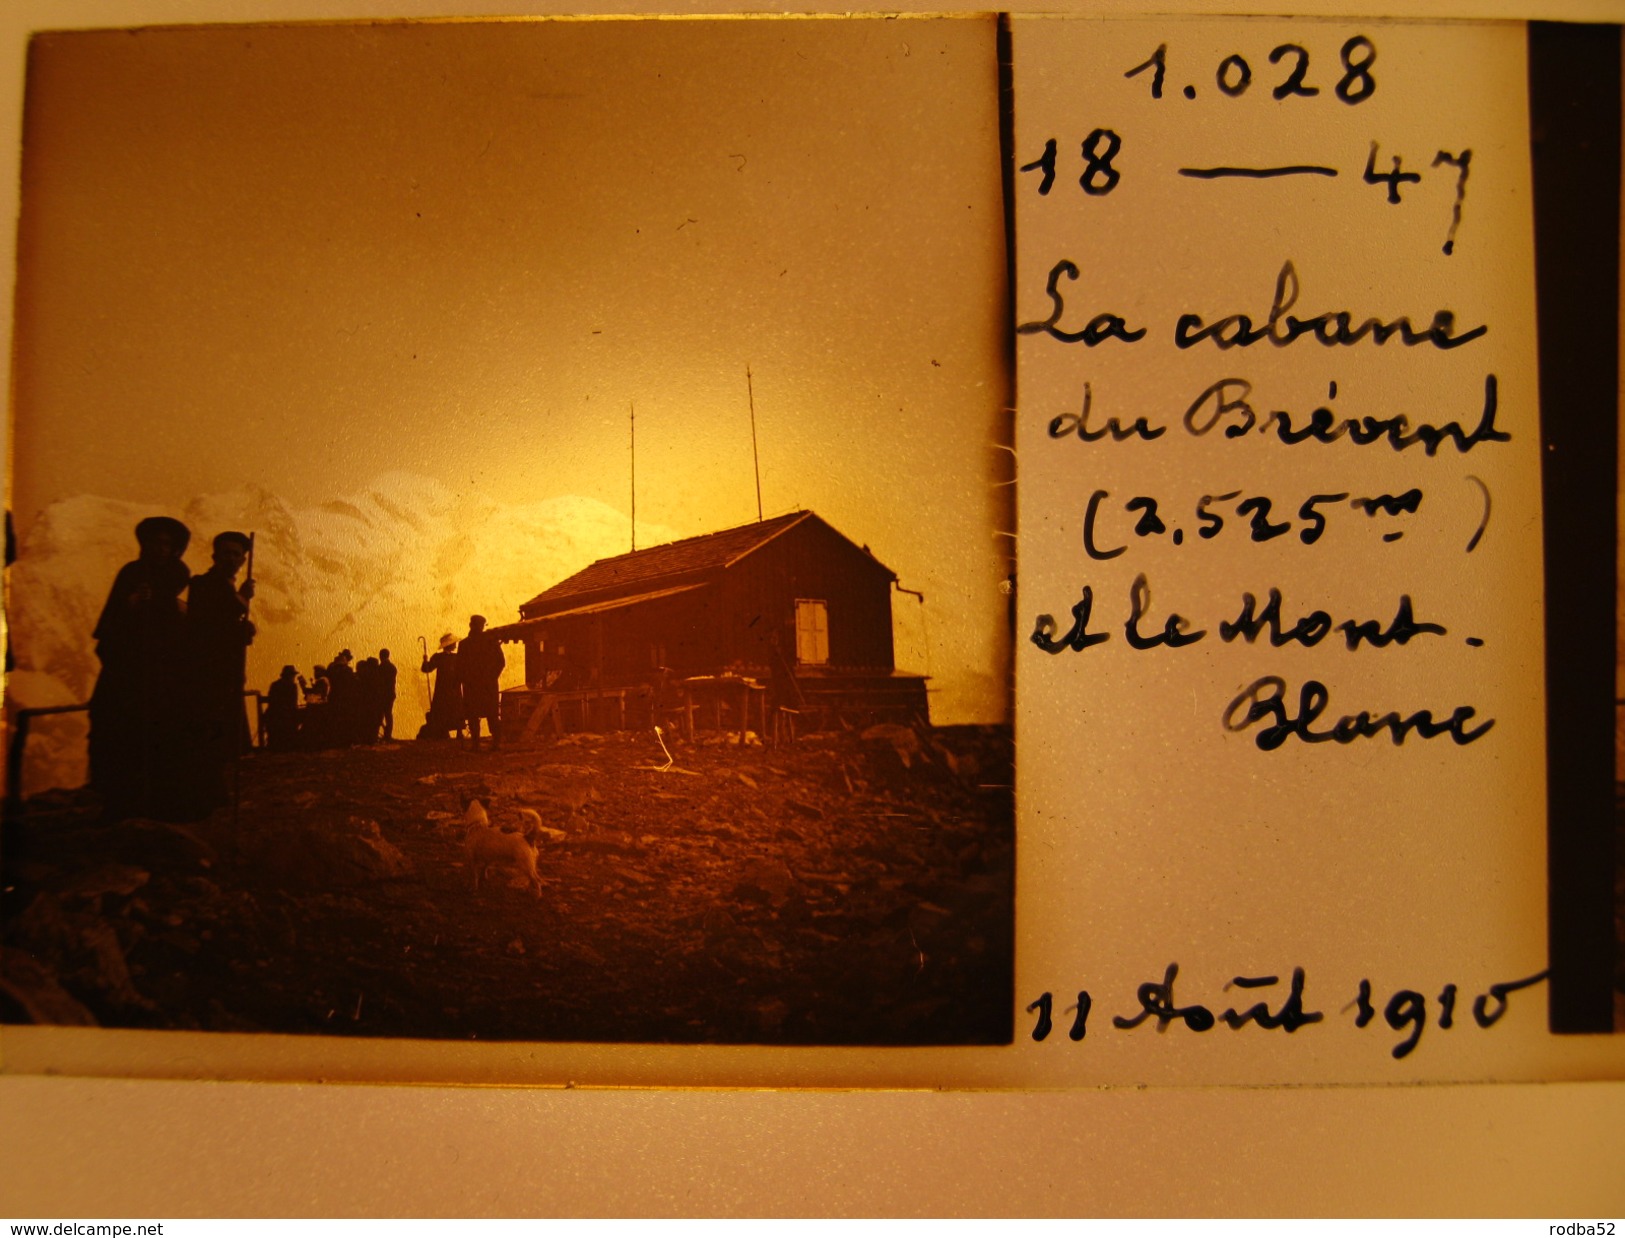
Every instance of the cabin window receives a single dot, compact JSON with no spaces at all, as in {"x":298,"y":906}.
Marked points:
{"x":812,"y":631}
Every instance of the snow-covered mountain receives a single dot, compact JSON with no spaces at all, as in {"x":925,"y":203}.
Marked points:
{"x":404,"y":558}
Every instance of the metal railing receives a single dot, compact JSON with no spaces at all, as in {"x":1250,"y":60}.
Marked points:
{"x":23,"y":718}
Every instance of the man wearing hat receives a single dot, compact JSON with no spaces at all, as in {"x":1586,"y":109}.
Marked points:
{"x":217,"y":617}
{"x":446,"y":707}
{"x":280,"y":721}
{"x":135,"y":721}
{"x":479,"y":664}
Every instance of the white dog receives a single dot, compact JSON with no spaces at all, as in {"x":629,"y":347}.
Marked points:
{"x":488,"y":848}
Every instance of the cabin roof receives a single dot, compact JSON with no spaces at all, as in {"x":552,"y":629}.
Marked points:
{"x":646,"y":570}
{"x":621,"y":601}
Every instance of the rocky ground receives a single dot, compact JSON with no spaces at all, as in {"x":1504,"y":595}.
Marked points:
{"x":850,"y":888}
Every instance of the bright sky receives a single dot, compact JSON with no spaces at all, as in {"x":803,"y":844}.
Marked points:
{"x":304,"y":256}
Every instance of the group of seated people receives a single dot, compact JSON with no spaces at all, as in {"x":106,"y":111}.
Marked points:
{"x":343,"y":703}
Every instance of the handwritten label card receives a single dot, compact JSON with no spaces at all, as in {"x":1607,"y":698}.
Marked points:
{"x":1279,"y":675}
{"x":1280,"y":712}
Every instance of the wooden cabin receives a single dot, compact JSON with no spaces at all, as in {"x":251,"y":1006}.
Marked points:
{"x":789,"y":604}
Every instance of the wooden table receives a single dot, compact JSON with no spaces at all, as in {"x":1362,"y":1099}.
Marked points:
{"x":720,"y":688}
{"x":550,"y":703}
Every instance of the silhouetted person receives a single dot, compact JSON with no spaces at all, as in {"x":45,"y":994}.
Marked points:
{"x":220,"y":633}
{"x":341,"y":698}
{"x":315,"y":729}
{"x":281,"y":719}
{"x":446,"y":706}
{"x":387,"y":672}
{"x":368,"y":701}
{"x":137,"y":709}
{"x":479,"y":665}
{"x":316,"y":690}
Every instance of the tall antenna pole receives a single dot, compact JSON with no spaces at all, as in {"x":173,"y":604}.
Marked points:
{"x":755,"y":456}
{"x":634,"y":424}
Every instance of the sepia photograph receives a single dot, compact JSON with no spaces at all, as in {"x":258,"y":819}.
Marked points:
{"x":511,"y":534}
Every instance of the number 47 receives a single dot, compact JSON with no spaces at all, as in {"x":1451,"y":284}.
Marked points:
{"x":1397,"y":176}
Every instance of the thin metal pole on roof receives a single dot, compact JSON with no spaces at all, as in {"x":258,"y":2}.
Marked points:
{"x":634,"y":423}
{"x":755,"y":457}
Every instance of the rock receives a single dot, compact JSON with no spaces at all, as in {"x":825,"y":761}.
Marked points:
{"x":193,"y":836}
{"x":30,"y":984}
{"x":222,"y":1020}
{"x":383,"y":856}
{"x":901,"y":739}
{"x":963,"y":766}
{"x":79,"y":947}
{"x":313,"y":857}
{"x":717,"y":920}
{"x":610,"y":840}
{"x":772,"y":1013}
{"x":765,"y":881}
{"x":107,"y":879}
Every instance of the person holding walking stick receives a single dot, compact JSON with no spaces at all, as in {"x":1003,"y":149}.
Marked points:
{"x":221,"y":632}
{"x":428,"y":684}
{"x":446,"y":705}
